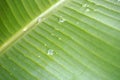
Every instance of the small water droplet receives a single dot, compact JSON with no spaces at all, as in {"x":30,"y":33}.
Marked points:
{"x":72,"y":37}
{"x":52,"y":34}
{"x":44,"y":18}
{"x":38,"y":56}
{"x":60,"y":38}
{"x":87,"y":10}
{"x":25,"y":29}
{"x":39,"y":19}
{"x":85,"y":5}
{"x":57,"y":29}
{"x":61,"y":19}
{"x":14,"y":68}
{"x":62,"y":29}
{"x":94,"y":9}
{"x":50,"y":52}
{"x":118,"y":0}
{"x":77,"y":22}
{"x":11,"y":73}
{"x":45,"y":44}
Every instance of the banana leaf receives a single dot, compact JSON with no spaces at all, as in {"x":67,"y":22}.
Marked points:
{"x":59,"y":40}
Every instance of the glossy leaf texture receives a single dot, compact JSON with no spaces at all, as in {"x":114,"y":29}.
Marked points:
{"x":79,"y":40}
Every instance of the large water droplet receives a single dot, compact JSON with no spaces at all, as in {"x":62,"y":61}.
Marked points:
{"x":61,"y":19}
{"x":50,"y":52}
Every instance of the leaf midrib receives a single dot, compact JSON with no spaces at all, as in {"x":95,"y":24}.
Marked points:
{"x":32,"y":24}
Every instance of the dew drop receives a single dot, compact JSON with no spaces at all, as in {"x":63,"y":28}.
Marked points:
{"x":85,"y":5}
{"x":57,"y":29}
{"x":14,"y":69}
{"x":38,"y":56}
{"x":39,"y":19}
{"x":77,"y":22}
{"x":11,"y":74}
{"x":61,"y":19}
{"x":50,"y":52}
{"x":72,"y":37}
{"x":25,"y":29}
{"x":87,"y":10}
{"x":95,"y":10}
{"x":45,"y":44}
{"x":62,"y":29}
{"x":52,"y":34}
{"x":60,"y":38}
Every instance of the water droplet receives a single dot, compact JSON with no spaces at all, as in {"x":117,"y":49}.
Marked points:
{"x":95,"y":10}
{"x":72,"y":37}
{"x":61,"y":19}
{"x":77,"y":22}
{"x":57,"y":29}
{"x":52,"y":34}
{"x":11,"y":74}
{"x":44,"y":18}
{"x":118,"y":0}
{"x":45,"y":44}
{"x":60,"y":38}
{"x":39,"y":20}
{"x":50,"y":52}
{"x":62,"y":29}
{"x":87,"y":10}
{"x":85,"y":5}
{"x":38,"y":56}
{"x":14,"y":69}
{"x":25,"y":29}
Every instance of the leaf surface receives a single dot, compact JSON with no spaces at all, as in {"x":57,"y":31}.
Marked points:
{"x":60,"y":40}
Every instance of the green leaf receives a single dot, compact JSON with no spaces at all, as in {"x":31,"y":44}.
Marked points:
{"x":59,"y":40}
